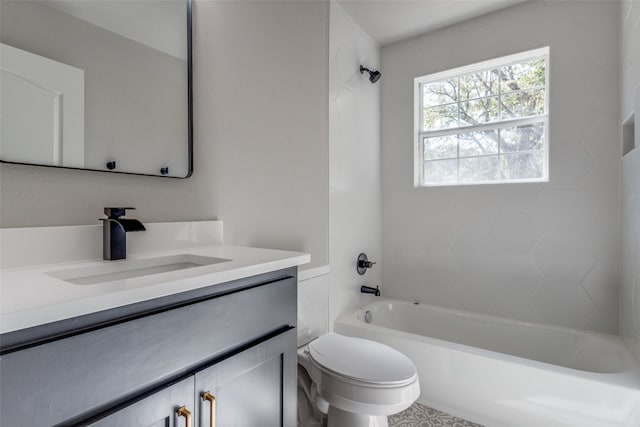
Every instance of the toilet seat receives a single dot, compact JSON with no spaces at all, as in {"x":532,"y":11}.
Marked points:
{"x":360,"y":361}
{"x":356,"y":382}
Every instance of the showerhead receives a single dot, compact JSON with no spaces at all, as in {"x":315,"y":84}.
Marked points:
{"x":374,"y":75}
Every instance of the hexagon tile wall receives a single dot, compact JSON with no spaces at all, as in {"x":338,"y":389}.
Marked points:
{"x":546,"y":252}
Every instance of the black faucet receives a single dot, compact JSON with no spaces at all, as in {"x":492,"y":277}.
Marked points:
{"x":114,"y":233}
{"x":370,"y":290}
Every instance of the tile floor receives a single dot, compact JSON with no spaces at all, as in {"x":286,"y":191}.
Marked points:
{"x":422,"y":416}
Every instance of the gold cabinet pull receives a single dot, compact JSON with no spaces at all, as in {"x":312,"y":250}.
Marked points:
{"x":184,"y":412}
{"x":207,"y":396}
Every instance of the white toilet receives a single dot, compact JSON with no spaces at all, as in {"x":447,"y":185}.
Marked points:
{"x":353,"y":381}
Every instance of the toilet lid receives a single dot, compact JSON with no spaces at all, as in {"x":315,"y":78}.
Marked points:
{"x":362,"y":360}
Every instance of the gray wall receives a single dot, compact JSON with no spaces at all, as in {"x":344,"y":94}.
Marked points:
{"x":262,"y":69}
{"x":537,"y":252}
{"x":261,"y":147}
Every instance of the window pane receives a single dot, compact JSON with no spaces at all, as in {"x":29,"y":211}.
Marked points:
{"x":522,"y":138}
{"x":479,"y":169}
{"x":440,"y":147}
{"x":522,"y":104}
{"x":483,"y":110}
{"x":495,"y":118}
{"x":479,"y":85}
{"x":441,"y":171}
{"x":524,"y":75}
{"x":522,"y":165}
{"x":441,"y":117}
{"x":438,"y":93}
{"x":478,"y":143}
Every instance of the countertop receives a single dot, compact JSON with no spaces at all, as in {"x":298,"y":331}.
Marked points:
{"x":31,"y":296}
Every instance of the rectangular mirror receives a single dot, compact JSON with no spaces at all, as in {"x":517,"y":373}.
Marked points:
{"x":97,"y":84}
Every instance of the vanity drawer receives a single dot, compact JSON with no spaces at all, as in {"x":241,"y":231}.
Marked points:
{"x":80,"y":375}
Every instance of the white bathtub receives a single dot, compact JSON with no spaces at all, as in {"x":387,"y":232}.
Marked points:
{"x":501,"y":372}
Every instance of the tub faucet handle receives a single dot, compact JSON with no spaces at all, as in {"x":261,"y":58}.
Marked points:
{"x":363,"y":264}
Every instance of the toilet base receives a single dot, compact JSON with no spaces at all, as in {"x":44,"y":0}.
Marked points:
{"x":339,"y":418}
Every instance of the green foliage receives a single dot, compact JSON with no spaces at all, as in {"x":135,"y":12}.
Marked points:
{"x":513,"y":91}
{"x":510,"y":92}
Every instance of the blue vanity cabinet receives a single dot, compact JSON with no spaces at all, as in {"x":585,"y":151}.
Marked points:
{"x":252,"y":388}
{"x":160,"y":409}
{"x":136,"y":368}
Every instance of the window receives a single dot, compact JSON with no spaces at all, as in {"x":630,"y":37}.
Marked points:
{"x":484,"y":123}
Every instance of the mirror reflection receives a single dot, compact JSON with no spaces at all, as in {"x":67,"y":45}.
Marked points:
{"x":96,"y":84}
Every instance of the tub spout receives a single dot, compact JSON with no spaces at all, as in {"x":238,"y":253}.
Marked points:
{"x":370,"y":290}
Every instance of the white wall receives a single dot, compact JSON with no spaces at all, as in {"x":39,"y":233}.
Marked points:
{"x":261,"y":144}
{"x":541,"y":252}
{"x":630,"y":95}
{"x":354,"y":168}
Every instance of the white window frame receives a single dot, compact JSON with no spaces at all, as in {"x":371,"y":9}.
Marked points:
{"x":419,"y":133}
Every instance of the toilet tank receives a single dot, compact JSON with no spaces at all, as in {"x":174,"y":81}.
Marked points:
{"x":305,"y":334}
{"x":313,"y":304}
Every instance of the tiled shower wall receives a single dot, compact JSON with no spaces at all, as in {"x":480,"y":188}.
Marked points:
{"x":630,"y":95}
{"x":545,"y":252}
{"x":354,"y":161}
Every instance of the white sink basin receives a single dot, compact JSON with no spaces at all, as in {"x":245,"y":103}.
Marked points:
{"x":119,"y":270}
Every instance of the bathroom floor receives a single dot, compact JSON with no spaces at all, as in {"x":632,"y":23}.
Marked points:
{"x":422,"y":416}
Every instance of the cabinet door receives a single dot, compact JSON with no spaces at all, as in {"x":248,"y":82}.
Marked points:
{"x":256,"y":387}
{"x":156,"y":410}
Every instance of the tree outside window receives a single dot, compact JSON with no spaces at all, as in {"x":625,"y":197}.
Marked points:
{"x":484,"y":126}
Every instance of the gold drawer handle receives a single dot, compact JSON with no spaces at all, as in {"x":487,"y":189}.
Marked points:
{"x":184,"y":412}
{"x":207,"y":396}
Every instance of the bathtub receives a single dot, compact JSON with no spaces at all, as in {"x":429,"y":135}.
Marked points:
{"x":505,"y":373}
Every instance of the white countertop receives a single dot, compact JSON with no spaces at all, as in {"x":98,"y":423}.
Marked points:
{"x":30,"y":296}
